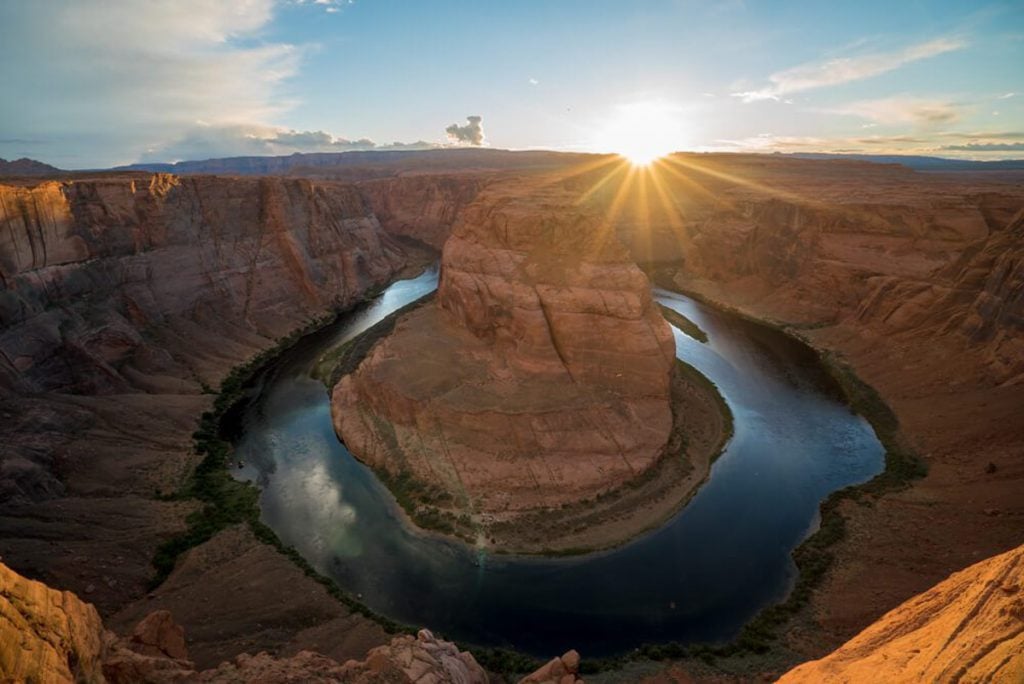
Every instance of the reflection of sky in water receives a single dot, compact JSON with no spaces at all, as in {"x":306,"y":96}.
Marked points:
{"x":315,"y":499}
{"x":699,"y":577}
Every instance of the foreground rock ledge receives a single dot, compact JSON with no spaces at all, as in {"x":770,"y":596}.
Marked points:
{"x":540,"y":378}
{"x":969,"y":628}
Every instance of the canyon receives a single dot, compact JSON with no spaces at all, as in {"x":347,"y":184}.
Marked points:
{"x":507,"y":397}
{"x":128,"y":297}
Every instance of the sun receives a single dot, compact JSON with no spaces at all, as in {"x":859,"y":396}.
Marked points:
{"x":642,"y":132}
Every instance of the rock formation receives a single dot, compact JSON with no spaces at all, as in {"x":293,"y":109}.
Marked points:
{"x":53,"y":636}
{"x":424,"y":207}
{"x":561,"y":670}
{"x":121,"y":296}
{"x":46,"y":635}
{"x":969,"y":628}
{"x":912,"y":279}
{"x":541,"y":377}
{"x":124,"y":299}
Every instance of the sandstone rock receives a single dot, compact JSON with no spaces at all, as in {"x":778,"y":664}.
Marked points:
{"x":967,"y":628}
{"x":47,"y":635}
{"x":158,"y":634}
{"x":540,"y":376}
{"x":563,"y":670}
{"x":423,"y":207}
{"x":121,"y":298}
{"x":52,"y":636}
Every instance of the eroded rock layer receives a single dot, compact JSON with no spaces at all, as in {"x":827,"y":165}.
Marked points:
{"x":969,"y":628}
{"x":542,"y":374}
{"x":124,"y":300}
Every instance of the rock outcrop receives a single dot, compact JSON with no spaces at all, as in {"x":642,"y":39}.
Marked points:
{"x":423,"y":659}
{"x":969,"y":628}
{"x":108,"y":284}
{"x":47,"y":635}
{"x":53,"y":636}
{"x":540,"y":377}
{"x":562,"y":670}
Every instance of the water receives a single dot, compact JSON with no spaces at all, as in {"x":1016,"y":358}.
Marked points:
{"x":699,"y":577}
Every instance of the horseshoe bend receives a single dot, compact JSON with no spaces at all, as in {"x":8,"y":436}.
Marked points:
{"x":361,"y":342}
{"x":545,"y":401}
{"x":537,"y":395}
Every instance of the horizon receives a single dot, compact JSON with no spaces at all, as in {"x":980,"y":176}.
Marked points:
{"x":105,"y":87}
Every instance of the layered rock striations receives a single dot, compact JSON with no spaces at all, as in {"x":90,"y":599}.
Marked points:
{"x":123,"y":301}
{"x":540,"y":377}
{"x":914,"y":280}
{"x":423,"y":207}
{"x":968,"y":628}
{"x":103,"y":281}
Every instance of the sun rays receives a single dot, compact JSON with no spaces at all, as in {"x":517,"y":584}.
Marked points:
{"x":656,"y":209}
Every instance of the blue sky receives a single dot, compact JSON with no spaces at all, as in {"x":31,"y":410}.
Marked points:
{"x":109,"y":82}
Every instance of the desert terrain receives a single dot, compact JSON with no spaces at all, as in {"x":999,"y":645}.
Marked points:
{"x":129,"y":297}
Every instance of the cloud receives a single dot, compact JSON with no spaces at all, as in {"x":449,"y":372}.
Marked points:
{"x":472,"y":133}
{"x":987,"y":147}
{"x":1005,"y":96}
{"x":902,"y":110}
{"x":534,"y":81}
{"x":107,"y":78}
{"x":846,"y":69}
{"x":993,"y":144}
{"x":330,"y":6}
{"x":235,"y":140}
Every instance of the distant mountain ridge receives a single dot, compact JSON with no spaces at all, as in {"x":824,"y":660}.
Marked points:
{"x":920,"y":162}
{"x":319,"y":162}
{"x":387,"y":161}
{"x":26,"y":167}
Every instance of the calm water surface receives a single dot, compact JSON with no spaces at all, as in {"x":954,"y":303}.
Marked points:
{"x":699,"y":577}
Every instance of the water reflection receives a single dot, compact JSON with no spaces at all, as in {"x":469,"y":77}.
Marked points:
{"x":698,"y":577}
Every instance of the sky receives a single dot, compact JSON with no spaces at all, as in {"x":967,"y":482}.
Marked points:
{"x":96,"y":83}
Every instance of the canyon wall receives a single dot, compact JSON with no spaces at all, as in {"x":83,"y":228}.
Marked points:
{"x":125,"y":300}
{"x":121,"y":284}
{"x":915,"y":281}
{"x":423,"y":207}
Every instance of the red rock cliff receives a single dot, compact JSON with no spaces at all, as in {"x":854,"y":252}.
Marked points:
{"x":122,"y":297}
{"x":540,"y":377}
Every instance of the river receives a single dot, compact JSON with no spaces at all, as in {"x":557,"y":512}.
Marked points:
{"x":699,"y":577}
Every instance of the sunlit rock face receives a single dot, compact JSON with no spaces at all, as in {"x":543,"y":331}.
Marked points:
{"x":541,"y":374}
{"x":46,"y":635}
{"x":969,"y":628}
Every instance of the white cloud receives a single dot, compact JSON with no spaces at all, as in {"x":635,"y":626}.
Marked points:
{"x":1005,"y":96}
{"x":241,"y":139}
{"x":903,"y":110}
{"x":845,"y":69}
{"x":105,"y":82}
{"x":534,"y":82}
{"x":980,"y":145}
{"x":471,"y":133}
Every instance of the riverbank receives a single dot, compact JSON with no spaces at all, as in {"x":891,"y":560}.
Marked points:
{"x":702,"y":425}
{"x":659,"y":651}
